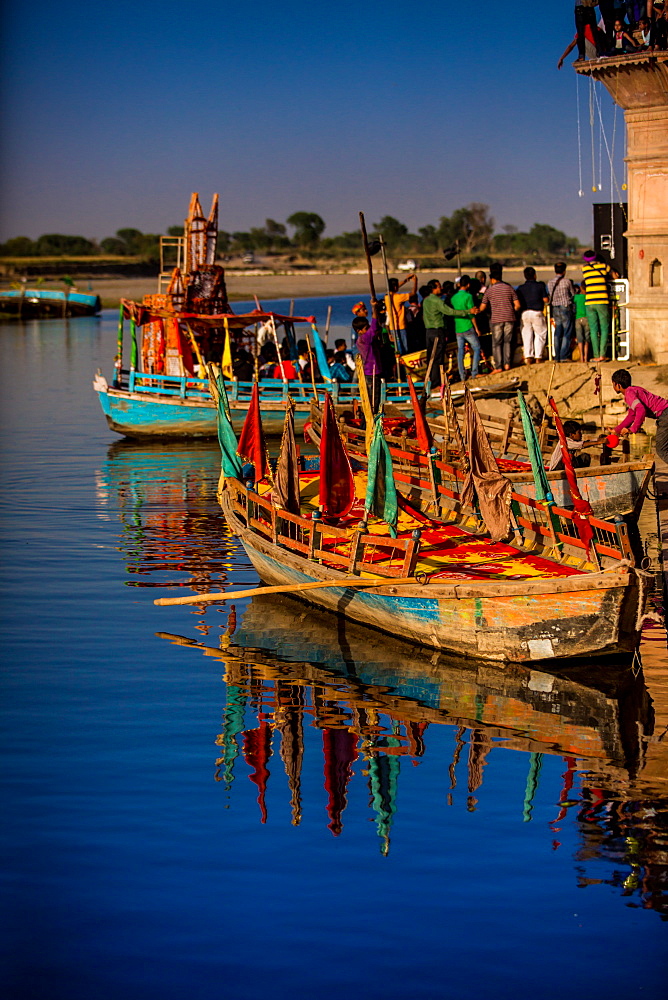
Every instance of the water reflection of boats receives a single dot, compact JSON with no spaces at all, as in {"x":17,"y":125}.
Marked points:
{"x":164,"y":497}
{"x":375,"y":700}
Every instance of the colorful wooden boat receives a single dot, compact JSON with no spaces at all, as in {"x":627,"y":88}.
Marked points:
{"x":47,"y":303}
{"x":614,"y":489}
{"x":185,"y":326}
{"x":443,"y":583}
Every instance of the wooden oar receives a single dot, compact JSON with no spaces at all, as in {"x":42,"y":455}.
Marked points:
{"x":348,"y":581}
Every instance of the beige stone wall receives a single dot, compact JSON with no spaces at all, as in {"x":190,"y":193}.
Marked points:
{"x":638,"y":83}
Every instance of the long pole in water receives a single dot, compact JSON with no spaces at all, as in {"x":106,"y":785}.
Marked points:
{"x":348,"y":581}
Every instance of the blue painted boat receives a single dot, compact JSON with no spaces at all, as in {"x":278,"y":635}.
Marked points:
{"x":46,"y":303}
{"x":176,"y":333}
{"x":143,"y":405}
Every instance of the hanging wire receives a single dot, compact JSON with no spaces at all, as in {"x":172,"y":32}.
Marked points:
{"x":577,"y":101}
{"x":592,"y":95}
{"x":607,"y":147}
{"x":600,"y":155}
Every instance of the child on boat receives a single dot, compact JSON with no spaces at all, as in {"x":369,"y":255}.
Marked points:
{"x":576,"y":445}
{"x":641,"y":404}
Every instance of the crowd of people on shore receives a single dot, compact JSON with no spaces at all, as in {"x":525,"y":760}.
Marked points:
{"x":477,"y":323}
{"x":618,"y":28}
{"x":485,"y":319}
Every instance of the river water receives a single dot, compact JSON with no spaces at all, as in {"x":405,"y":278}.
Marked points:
{"x":265,"y":800}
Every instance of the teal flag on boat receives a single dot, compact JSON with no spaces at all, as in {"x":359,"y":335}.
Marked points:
{"x":535,"y":455}
{"x":381,"y":492}
{"x":320,"y":355}
{"x":229,"y":459}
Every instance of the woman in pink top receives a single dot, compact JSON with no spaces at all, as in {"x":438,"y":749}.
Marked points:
{"x":641,"y":404}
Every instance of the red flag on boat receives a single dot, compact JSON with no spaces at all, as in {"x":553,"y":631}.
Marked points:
{"x":581,"y":506}
{"x":423,"y":433}
{"x":337,"y":489}
{"x":252,"y":447}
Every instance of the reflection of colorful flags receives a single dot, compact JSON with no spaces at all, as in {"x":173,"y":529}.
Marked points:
{"x":286,"y":481}
{"x":582,"y":506}
{"x":340,"y":749}
{"x":381,"y":491}
{"x":337,"y":489}
{"x":383,"y":778}
{"x":257,"y":751}
{"x":423,"y":433}
{"x":252,"y":447}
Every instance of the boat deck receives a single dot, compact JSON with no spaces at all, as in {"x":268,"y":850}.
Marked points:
{"x":447,"y":550}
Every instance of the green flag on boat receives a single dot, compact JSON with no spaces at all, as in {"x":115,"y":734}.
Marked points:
{"x":229,"y":459}
{"x":381,"y":492}
{"x":535,"y":454}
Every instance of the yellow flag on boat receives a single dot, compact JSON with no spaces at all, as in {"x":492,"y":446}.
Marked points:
{"x":226,"y":363}
{"x":365,"y":401}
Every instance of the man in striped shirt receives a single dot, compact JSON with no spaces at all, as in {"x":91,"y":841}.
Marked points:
{"x":596,"y":275}
{"x":561,"y":291}
{"x":501,"y":298}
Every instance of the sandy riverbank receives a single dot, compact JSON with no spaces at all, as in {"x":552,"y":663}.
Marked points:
{"x":288,"y":286}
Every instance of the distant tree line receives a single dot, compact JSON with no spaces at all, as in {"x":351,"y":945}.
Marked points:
{"x":469,"y":231}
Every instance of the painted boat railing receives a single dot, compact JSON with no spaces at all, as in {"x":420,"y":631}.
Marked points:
{"x":537,"y":527}
{"x":272,"y":390}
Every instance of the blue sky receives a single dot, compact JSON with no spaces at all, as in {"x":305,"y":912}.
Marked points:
{"x":114,"y":115}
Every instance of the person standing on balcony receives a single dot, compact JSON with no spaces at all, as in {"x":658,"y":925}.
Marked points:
{"x":585,"y":15}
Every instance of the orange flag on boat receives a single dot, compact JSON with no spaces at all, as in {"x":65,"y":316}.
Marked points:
{"x":581,"y":506}
{"x":423,"y":433}
{"x":337,"y":489}
{"x":252,"y":447}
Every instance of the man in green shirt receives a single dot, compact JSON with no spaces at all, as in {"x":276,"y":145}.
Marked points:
{"x":434,"y":312}
{"x":581,"y":323}
{"x":465,"y":328}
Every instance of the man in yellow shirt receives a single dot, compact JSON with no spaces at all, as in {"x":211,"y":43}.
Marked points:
{"x":395,"y":304}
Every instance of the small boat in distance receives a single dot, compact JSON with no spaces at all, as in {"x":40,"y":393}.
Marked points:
{"x":47,"y":303}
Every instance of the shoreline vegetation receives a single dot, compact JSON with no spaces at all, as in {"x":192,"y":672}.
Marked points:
{"x":244,"y":285}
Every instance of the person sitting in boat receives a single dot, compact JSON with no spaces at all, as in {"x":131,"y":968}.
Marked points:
{"x":338,"y":369}
{"x":285,"y":368}
{"x":268,"y":360}
{"x":340,"y":348}
{"x":576,"y":445}
{"x":242,"y":364}
{"x":641,"y":404}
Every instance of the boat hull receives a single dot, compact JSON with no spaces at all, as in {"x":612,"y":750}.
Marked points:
{"x":522,"y":621}
{"x":139,"y":415}
{"x":610,"y":489}
{"x":42,"y":303}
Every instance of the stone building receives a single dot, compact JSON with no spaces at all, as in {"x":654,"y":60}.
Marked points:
{"x":638,"y":82}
